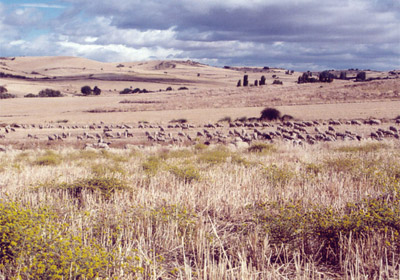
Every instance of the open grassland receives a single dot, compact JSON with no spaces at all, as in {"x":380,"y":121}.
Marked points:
{"x":326,"y":211}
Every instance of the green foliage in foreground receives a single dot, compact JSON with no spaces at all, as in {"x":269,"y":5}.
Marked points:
{"x":104,"y":186}
{"x":187,"y":174}
{"x":319,"y":230}
{"x":34,"y":246}
{"x":49,"y":158}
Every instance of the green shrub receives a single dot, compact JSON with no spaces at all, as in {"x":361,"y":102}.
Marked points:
{"x":318,"y":229}
{"x":101,"y":169}
{"x":215,"y":156}
{"x":36,"y":247}
{"x":49,"y":158}
{"x":105,"y":186}
{"x":237,"y":159}
{"x":200,"y":147}
{"x":152,"y":165}
{"x":261,"y":147}
{"x":187,"y":174}
{"x":182,"y":153}
{"x":279,"y":176}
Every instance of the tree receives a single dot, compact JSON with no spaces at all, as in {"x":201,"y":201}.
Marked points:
{"x":96,"y":91}
{"x":245,"y":80}
{"x":86,"y":90}
{"x":361,"y":76}
{"x":270,"y":114}
{"x":326,"y":77}
{"x":49,"y":93}
{"x":262,"y":81}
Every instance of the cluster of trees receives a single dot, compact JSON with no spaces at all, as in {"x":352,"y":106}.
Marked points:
{"x":261,"y":82}
{"x":131,"y":91}
{"x":327,"y":77}
{"x":4,"y":93}
{"x":87,"y":90}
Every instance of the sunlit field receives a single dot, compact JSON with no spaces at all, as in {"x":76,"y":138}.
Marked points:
{"x":270,"y":211}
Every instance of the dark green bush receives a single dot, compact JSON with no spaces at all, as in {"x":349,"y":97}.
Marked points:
{"x":7,"y":95}
{"x":270,"y":114}
{"x":49,"y":93}
{"x":104,"y":186}
{"x":86,"y":90}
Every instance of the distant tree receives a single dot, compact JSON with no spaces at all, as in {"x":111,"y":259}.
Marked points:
{"x":239,"y":83}
{"x":262,"y":81}
{"x":31,"y":95}
{"x":306,"y":77}
{"x":96,"y":91}
{"x":270,"y":114}
{"x":49,"y":93}
{"x":256,"y":83}
{"x":86,"y":90}
{"x":3,"y":89}
{"x":361,"y":76}
{"x":343,"y":75}
{"x":326,"y":77}
{"x":6,"y":95}
{"x":125,"y":91}
{"x":169,"y":89}
{"x":245,"y":80}
{"x":277,"y":82}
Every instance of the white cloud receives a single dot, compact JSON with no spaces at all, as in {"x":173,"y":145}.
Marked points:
{"x":114,"y":52}
{"x":41,"y":5}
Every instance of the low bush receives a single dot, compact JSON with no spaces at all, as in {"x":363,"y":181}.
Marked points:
{"x":49,"y":158}
{"x":36,"y":247}
{"x":225,"y":119}
{"x":187,"y":174}
{"x":31,"y":95}
{"x":261,"y":148}
{"x":216,"y":156}
{"x":49,"y":93}
{"x":7,"y":95}
{"x":320,"y":231}
{"x":152,"y":165}
{"x":270,"y":114}
{"x":182,"y":120}
{"x":104,"y":186}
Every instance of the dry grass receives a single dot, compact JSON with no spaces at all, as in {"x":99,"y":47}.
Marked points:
{"x":314,"y":212}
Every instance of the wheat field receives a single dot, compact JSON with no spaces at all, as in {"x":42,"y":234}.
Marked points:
{"x":272,"y":211}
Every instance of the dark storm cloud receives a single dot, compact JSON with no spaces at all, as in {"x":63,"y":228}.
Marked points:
{"x":288,"y":33}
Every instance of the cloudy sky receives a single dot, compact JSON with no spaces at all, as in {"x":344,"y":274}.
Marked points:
{"x":294,"y":34}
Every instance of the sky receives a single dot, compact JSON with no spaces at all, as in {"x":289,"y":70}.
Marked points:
{"x":292,"y":34}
